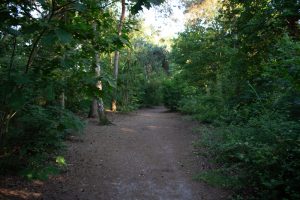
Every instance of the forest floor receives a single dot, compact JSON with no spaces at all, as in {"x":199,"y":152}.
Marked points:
{"x":144,"y":155}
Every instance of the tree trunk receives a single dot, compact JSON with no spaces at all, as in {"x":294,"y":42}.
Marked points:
{"x":117,"y":56}
{"x":101,"y":113}
{"x":62,"y":100}
{"x":97,"y":107}
{"x":93,"y":109}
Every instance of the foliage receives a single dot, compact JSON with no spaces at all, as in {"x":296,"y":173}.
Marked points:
{"x":141,"y":74}
{"x":48,"y":126}
{"x":219,"y":178}
{"x":47,"y":73}
{"x":171,"y":94}
{"x":205,"y":108}
{"x":243,"y":70}
{"x":152,"y":93}
{"x":264,"y":153}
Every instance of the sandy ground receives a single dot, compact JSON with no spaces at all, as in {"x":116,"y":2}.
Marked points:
{"x":145,"y":155}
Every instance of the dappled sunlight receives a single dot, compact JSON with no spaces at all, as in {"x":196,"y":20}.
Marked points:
{"x":147,"y":115}
{"x":153,"y":127}
{"x":128,"y":130}
{"x":19,"y":193}
{"x":38,"y":183}
{"x":158,"y":127}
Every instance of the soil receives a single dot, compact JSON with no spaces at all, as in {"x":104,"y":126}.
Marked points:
{"x":144,"y":155}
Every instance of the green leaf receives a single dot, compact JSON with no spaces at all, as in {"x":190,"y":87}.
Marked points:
{"x":63,"y":36}
{"x":125,"y":41}
{"x":139,"y":6}
{"x":50,"y":38}
{"x":111,"y":82}
{"x":60,"y":161}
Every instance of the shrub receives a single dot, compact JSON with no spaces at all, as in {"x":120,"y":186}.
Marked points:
{"x":171,"y":95}
{"x":35,"y":136}
{"x":174,"y":90}
{"x":152,"y":94}
{"x":264,"y":153}
{"x":203,"y":107}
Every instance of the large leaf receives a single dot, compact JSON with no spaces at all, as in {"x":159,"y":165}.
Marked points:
{"x":139,"y":6}
{"x":49,"y":38}
{"x":63,"y":36}
{"x":111,"y":82}
{"x":125,"y":41}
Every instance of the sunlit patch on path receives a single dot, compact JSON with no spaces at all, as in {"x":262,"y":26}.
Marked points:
{"x":21,"y":194}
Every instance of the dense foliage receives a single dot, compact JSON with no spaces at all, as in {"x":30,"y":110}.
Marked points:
{"x":48,"y":54}
{"x":238,"y":69}
{"x":241,"y":72}
{"x":143,"y":67}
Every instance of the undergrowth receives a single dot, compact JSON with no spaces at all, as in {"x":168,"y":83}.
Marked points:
{"x":36,"y":141}
{"x":262,"y":155}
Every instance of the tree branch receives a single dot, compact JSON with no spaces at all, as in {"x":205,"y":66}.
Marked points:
{"x":36,"y":42}
{"x":34,"y":50}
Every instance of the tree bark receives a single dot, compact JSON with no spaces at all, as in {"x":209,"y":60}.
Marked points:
{"x":97,"y":106}
{"x":93,"y":109}
{"x":117,"y":56}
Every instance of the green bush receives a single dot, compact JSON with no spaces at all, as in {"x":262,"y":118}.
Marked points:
{"x":202,"y":107}
{"x":264,"y":153}
{"x":174,"y":90}
{"x":171,"y":95}
{"x":152,"y":95}
{"x":36,"y":135}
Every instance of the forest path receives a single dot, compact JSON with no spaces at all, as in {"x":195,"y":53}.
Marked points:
{"x":146,"y":155}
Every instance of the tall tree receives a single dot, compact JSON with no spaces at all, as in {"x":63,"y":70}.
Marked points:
{"x":117,"y":55}
{"x":138,"y":5}
{"x":97,"y":107}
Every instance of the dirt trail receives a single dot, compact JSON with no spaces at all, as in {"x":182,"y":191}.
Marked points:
{"x":146,"y":155}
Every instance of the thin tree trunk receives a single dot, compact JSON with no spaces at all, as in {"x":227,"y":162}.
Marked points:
{"x":116,"y":64}
{"x":94,"y":106}
{"x":97,"y":107}
{"x":93,"y":109}
{"x":62,"y":100}
{"x":117,"y":56}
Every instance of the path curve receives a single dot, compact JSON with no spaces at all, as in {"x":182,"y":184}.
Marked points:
{"x":146,"y":155}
